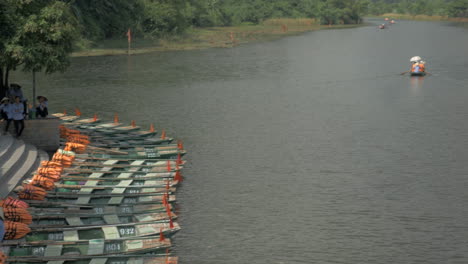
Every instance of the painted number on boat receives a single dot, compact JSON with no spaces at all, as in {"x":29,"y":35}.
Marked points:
{"x":58,"y":236}
{"x":112,"y":247}
{"x":127,"y":210}
{"x":130,"y":200}
{"x":38,"y":251}
{"x":127,"y":231}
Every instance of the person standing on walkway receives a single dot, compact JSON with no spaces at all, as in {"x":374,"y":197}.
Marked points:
{"x":17,"y":114}
{"x":6,"y":109}
{"x":14,"y":91}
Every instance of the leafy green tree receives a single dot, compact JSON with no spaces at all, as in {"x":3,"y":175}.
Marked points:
{"x":458,"y":8}
{"x":39,"y":36}
{"x":101,"y":19}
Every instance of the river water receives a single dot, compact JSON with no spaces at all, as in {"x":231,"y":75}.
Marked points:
{"x":308,"y":149}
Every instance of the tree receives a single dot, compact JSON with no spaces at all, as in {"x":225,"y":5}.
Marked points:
{"x":458,"y":8}
{"x":39,"y":36}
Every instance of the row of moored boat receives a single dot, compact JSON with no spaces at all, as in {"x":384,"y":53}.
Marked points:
{"x":106,"y":197}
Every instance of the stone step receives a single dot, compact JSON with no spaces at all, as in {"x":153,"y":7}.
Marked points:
{"x":21,"y":169}
{"x":16,"y":151}
{"x":6,"y":142}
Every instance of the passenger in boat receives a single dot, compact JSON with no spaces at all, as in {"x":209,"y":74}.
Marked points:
{"x":422,"y":66}
{"x":41,"y":109}
{"x":415,"y":67}
{"x":17,"y":114}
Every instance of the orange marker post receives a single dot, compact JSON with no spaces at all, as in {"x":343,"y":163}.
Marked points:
{"x":161,"y":235}
{"x":168,"y":166}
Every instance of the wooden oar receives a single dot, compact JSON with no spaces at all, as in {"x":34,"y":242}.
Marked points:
{"x":404,"y":72}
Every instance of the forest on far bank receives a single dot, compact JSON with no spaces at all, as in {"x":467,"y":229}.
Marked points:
{"x":39,"y":35}
{"x":155,"y":18}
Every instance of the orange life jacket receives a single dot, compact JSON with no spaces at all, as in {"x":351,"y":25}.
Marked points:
{"x":15,"y":230}
{"x":422,"y":67}
{"x":12,"y":202}
{"x":3,"y":258}
{"x":17,"y":215}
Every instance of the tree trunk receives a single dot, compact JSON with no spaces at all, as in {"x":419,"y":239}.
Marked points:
{"x":2,"y":92}
{"x":2,"y":86}
{"x":7,"y":73}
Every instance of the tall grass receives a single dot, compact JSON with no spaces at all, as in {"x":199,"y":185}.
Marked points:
{"x":289,"y":22}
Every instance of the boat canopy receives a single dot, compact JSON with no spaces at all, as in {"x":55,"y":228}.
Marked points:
{"x":415,"y":59}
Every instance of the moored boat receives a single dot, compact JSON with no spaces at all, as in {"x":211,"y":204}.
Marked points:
{"x":52,"y":249}
{"x":66,"y":259}
{"x":96,"y":210}
{"x":62,"y":221}
{"x":83,"y":175}
{"x":59,"y":199}
{"x":81,"y":233}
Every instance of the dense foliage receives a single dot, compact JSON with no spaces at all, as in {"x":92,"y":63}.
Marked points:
{"x":452,"y":8}
{"x":155,"y":18}
{"x":37,"y":35}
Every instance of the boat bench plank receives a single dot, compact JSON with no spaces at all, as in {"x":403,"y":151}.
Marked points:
{"x":53,"y":250}
{"x":112,"y":219}
{"x":70,"y":235}
{"x":111,"y":232}
{"x":96,"y":247}
{"x":74,"y":221}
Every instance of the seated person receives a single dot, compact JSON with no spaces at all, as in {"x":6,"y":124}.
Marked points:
{"x":41,"y":109}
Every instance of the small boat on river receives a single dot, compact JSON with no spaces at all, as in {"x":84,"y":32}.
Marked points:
{"x":418,"y":67}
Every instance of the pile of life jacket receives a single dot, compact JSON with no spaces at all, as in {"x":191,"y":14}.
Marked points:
{"x":14,"y":219}
{"x":14,"y":216}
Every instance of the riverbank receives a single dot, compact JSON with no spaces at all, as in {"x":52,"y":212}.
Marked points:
{"x":423,"y":17}
{"x":215,"y":37}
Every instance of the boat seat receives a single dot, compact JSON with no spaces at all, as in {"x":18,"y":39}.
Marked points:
{"x":70,"y":235}
{"x":53,"y":251}
{"x":96,"y":247}
{"x":111,"y":232}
